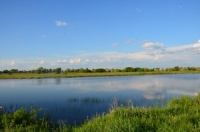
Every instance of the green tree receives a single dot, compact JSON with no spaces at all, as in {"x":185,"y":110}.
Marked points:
{"x":176,"y":68}
{"x":88,"y":70}
{"x":146,"y":70}
{"x":192,"y":68}
{"x":14,"y":70}
{"x":128,"y":69}
{"x":58,"y":70}
{"x":100,"y":70}
{"x":67,"y":71}
{"x":5,"y":71}
{"x":138,"y":69}
{"x":81,"y":70}
{"x":50,"y":70}
{"x":118,"y":70}
{"x":39,"y":70}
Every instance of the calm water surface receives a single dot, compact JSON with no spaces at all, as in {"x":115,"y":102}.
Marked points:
{"x":76,"y":99}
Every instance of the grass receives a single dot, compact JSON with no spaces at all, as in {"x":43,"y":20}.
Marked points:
{"x":180,"y":115}
{"x":23,"y":120}
{"x":72,"y":75}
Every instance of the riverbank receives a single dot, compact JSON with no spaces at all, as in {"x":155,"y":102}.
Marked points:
{"x":73,"y":75}
{"x":179,"y":115}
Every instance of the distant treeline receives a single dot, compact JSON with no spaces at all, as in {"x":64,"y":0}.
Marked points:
{"x":98,"y":70}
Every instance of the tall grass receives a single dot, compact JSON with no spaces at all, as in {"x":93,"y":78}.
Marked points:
{"x":23,"y":120}
{"x":180,"y":114}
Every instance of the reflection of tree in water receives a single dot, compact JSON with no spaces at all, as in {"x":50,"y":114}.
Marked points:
{"x":39,"y":81}
{"x":57,"y":81}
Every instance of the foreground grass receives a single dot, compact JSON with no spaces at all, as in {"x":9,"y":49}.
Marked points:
{"x":70,"y":75}
{"x":180,"y":115}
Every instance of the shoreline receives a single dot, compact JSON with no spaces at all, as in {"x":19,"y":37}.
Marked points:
{"x":78,"y":75}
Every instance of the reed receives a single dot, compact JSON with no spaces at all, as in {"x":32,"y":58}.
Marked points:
{"x":179,"y":115}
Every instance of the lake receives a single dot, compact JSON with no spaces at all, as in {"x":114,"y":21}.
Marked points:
{"x":74,"y":100}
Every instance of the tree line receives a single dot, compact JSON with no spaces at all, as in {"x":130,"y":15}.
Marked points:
{"x":98,"y":70}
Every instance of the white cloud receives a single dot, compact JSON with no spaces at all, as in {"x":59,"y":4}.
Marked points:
{"x":64,"y":60}
{"x":152,"y":46}
{"x":189,"y":49}
{"x":75,"y":61}
{"x":59,"y":62}
{"x":61,"y":23}
{"x":87,"y":60}
{"x":152,"y":55}
{"x":12,"y":63}
{"x":156,"y":58}
{"x":1,"y":64}
{"x":41,"y":62}
{"x":115,"y":44}
{"x":133,"y":56}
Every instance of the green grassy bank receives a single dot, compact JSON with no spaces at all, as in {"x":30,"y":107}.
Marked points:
{"x":180,"y":115}
{"x":70,"y":75}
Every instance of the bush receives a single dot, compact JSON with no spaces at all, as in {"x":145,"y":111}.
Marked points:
{"x":23,"y":120}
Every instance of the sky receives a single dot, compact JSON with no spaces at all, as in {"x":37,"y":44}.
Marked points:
{"x":99,"y":33}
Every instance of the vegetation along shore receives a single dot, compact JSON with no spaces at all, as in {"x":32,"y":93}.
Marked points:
{"x":181,"y":115}
{"x":81,"y":72}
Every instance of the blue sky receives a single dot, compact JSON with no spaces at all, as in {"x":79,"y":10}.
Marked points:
{"x":99,"y":33}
